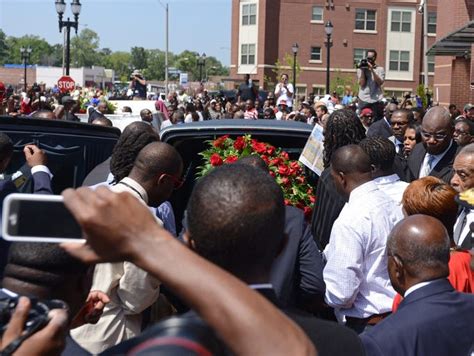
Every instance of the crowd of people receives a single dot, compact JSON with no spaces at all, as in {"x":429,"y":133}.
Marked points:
{"x":384,"y":267}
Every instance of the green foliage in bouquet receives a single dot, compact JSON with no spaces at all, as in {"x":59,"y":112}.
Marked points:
{"x":288,"y":173}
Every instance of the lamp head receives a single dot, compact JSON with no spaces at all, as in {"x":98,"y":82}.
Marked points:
{"x":76,"y":8}
{"x":328,"y":27}
{"x":295,"y":48}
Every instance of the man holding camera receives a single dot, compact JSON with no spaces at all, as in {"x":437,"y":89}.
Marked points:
{"x":138,"y":85}
{"x":371,"y":78}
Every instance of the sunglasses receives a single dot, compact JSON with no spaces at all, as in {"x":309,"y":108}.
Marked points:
{"x":177,"y":182}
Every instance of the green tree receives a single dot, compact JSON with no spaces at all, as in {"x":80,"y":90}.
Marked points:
{"x":340,"y":81}
{"x":4,"y":50}
{"x":84,"y":49}
{"x":139,"y":58}
{"x":120,"y":63}
{"x":186,"y":61}
{"x":40,"y":49}
{"x":155,"y":69}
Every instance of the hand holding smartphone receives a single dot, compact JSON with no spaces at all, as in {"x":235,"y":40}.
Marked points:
{"x":38,"y":218}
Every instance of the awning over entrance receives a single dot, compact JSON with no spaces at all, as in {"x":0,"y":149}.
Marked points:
{"x":457,"y":43}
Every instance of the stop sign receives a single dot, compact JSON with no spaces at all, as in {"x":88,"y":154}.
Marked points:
{"x":66,"y":84}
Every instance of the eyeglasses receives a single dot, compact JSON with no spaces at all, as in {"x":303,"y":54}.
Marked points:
{"x":177,"y":182}
{"x":437,"y":137}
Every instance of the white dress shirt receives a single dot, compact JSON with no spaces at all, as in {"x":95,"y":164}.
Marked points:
{"x":131,"y":291}
{"x":425,"y":170}
{"x":356,"y":276}
{"x":392,"y":186}
{"x":466,"y":229}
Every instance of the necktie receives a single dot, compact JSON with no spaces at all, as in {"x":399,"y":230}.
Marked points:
{"x":462,"y":218}
{"x":400,"y":148}
{"x":428,"y":167}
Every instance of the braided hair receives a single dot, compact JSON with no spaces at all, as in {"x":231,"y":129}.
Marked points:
{"x":380,"y":150}
{"x":135,"y":136}
{"x":342,"y":128}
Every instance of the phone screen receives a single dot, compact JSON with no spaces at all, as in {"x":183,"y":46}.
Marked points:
{"x":41,"y":219}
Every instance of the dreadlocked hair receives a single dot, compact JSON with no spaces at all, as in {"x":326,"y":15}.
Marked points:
{"x":135,"y":136}
{"x":380,"y":150}
{"x":342,"y":128}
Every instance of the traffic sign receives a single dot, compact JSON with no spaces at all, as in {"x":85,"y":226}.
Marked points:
{"x":66,"y":84}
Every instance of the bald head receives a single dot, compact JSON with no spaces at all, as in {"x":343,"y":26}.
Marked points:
{"x":438,"y":115}
{"x":437,"y":130}
{"x":351,"y":159}
{"x":155,"y":159}
{"x":421,"y":242}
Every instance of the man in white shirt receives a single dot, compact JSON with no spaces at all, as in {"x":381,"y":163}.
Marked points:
{"x":285,"y":91}
{"x":357,"y":282}
{"x":382,"y":156}
{"x":156,"y":172}
{"x":463,"y":179}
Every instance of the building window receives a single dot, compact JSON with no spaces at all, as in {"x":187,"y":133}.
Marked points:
{"x":399,"y":61}
{"x":432,"y":23}
{"x":431,"y":64}
{"x":359,"y":53}
{"x":365,"y":20}
{"x":249,"y":14}
{"x":247,"y":54}
{"x":317,"y":14}
{"x":315,"y":53}
{"x":401,"y":21}
{"x":319,"y":91}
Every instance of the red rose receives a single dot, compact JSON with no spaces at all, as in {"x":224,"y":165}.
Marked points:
{"x":220,"y":141}
{"x":284,"y":155}
{"x":272,"y":174}
{"x":287,"y":202}
{"x":265,"y":158}
{"x":259,"y":147}
{"x":310,"y":191}
{"x":294,"y":165}
{"x":312,"y":199}
{"x":301,"y":179}
{"x":240,"y":143}
{"x":307,"y":212}
{"x":283,"y":170}
{"x":231,"y":159}
{"x":300,"y":205}
{"x":270,"y":150}
{"x":216,"y":160}
{"x":276,"y":161}
{"x":285,"y":181}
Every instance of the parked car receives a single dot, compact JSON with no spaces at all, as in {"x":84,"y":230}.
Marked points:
{"x":73,"y":149}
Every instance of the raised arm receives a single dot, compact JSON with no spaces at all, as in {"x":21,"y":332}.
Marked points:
{"x":245,"y":321}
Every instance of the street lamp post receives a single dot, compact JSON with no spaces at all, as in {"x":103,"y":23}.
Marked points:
{"x":76,"y":10}
{"x":167,"y":48}
{"x":201,"y":63}
{"x":328,"y":29}
{"x":295,"y":49}
{"x":25,"y":56}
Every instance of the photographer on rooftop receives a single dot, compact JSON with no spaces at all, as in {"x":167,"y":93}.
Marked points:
{"x":138,"y":85}
{"x":371,"y":78}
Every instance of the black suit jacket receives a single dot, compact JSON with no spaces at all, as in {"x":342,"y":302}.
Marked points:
{"x":442,"y":170}
{"x":327,"y":208}
{"x":433,"y":320}
{"x":298,"y":270}
{"x":379,"y":128}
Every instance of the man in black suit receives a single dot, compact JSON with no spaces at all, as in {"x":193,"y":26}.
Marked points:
{"x":382,"y":127}
{"x":297,"y":272}
{"x":434,"y":156}
{"x":238,"y":224}
{"x":433,"y":319}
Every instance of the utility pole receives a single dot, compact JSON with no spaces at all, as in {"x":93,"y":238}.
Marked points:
{"x":166,"y":54}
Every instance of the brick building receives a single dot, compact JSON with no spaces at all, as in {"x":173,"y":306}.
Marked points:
{"x":263,"y":31}
{"x":454,"y":66}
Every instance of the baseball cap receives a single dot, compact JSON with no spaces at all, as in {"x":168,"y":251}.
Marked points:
{"x":213,"y":101}
{"x":282,"y":102}
{"x":366,"y":112}
{"x":468,"y":107}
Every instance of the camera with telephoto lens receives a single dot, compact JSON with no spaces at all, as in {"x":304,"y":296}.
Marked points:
{"x":37,"y":316}
{"x":364,"y":63}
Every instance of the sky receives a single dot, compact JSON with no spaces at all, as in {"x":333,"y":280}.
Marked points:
{"x":203,"y":26}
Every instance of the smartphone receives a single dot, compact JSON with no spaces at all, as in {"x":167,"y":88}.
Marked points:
{"x":38,"y":218}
